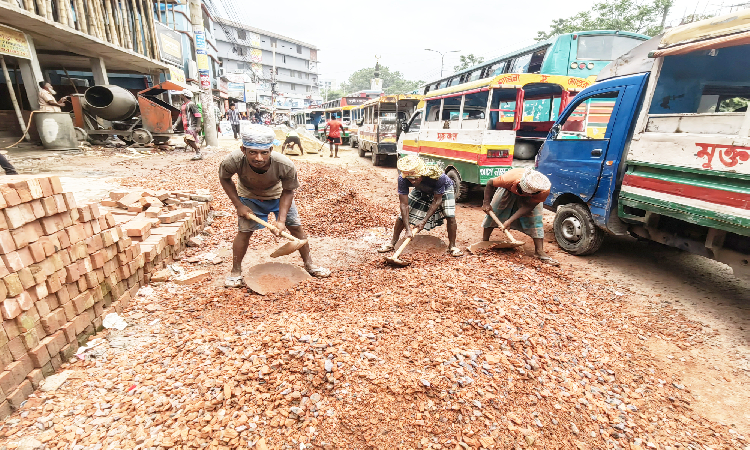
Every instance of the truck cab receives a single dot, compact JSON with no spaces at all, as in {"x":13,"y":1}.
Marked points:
{"x":659,"y":147}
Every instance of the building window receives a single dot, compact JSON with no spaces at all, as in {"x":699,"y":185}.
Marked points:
{"x":283,"y":59}
{"x":299,"y":74}
{"x":307,"y":76}
{"x":291,"y":87}
{"x":273,"y":42}
{"x":241,"y":34}
{"x":299,"y":49}
{"x":307,"y":88}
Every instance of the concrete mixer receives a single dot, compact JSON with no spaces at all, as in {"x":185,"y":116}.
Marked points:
{"x":104,"y":111}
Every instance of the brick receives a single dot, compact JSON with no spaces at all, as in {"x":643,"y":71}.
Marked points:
{"x":37,"y":209}
{"x":3,"y":291}
{"x":25,"y":302}
{"x":13,"y":284}
{"x":56,"y":361}
{"x":37,"y":252}
{"x":83,"y":302}
{"x":48,"y":369}
{"x":69,"y":200}
{"x":39,"y":355}
{"x":46,"y":186}
{"x":96,"y":226}
{"x":22,"y":189}
{"x":19,"y":395}
{"x":18,"y":216}
{"x":49,"y":205}
{"x":10,"y":308}
{"x":25,"y":255}
{"x":7,"y":243}
{"x":54,"y":283}
{"x":70,"y":330}
{"x":70,"y":311}
{"x":138,"y":228}
{"x":84,"y":213}
{"x":88,"y":230}
{"x":56,"y":184}
{"x":35,"y":377}
{"x":3,"y":270}
{"x":62,"y":237}
{"x":11,"y":329}
{"x":72,"y":273}
{"x":192,"y":277}
{"x":5,"y":357}
{"x":10,"y":196}
{"x":94,"y":243}
{"x":38,"y":292}
{"x":13,"y":376}
{"x":53,"y":321}
{"x":16,"y":347}
{"x":76,"y":233}
{"x":60,"y":203}
{"x":30,"y":339}
{"x":55,"y":342}
{"x":12,"y":261}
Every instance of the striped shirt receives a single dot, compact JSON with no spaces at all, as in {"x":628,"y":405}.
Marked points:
{"x":234,"y":116}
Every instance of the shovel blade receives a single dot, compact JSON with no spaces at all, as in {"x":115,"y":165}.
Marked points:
{"x":396,"y":262}
{"x":289,"y":248}
{"x":485,"y":245}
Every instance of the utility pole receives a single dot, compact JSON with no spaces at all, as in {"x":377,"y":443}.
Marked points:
{"x":442,"y":58}
{"x":201,"y":57}
{"x":273,"y":82}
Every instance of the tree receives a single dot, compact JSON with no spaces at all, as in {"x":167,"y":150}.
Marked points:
{"x":393,"y":81}
{"x":467,"y":61}
{"x":638,"y":16}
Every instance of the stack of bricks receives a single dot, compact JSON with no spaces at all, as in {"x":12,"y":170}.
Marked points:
{"x":161,"y":221}
{"x":63,"y":268}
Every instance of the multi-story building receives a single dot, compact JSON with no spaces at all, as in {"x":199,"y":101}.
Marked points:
{"x":267,"y":58}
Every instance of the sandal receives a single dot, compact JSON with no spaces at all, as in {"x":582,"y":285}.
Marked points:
{"x":386,"y":248}
{"x":548,"y":260}
{"x":234,"y":282}
{"x":319,"y":272}
{"x":455,"y":252}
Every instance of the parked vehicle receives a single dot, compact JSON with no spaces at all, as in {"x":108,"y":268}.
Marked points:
{"x":381,"y":124}
{"x":341,"y":108}
{"x":356,"y":115}
{"x":670,"y":159}
{"x":308,"y":118}
{"x":481,"y":129}
{"x":580,"y":54}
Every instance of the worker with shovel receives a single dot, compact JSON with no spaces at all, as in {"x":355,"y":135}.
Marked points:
{"x":516,"y":199}
{"x":266,"y":181}
{"x":428,"y":205}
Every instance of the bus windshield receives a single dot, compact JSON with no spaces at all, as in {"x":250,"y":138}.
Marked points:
{"x":605,"y":47}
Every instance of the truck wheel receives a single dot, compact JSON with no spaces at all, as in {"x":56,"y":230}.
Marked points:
{"x":361,"y":150}
{"x":377,"y":160}
{"x":575,"y":230}
{"x":354,"y":143}
{"x":461,"y":189}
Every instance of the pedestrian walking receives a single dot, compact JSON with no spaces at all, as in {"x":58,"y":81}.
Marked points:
{"x":430,"y":203}
{"x":266,"y":181}
{"x":7,"y":166}
{"x":47,"y":102}
{"x":334,"y":127}
{"x":292,"y":139}
{"x":234,"y":119}
{"x":516,"y":199}
{"x":191,"y":123}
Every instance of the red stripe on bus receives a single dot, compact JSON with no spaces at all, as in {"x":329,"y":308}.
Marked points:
{"x":717,"y":196}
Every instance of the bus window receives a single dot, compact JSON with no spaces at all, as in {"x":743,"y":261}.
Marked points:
{"x":454,"y":81}
{"x":521,"y":63}
{"x":475,"y":105}
{"x":535,"y":66}
{"x":475,"y":75}
{"x":451,"y":108}
{"x":502,"y":109}
{"x":432,"y":110}
{"x":605,"y":47}
{"x":494,"y":69}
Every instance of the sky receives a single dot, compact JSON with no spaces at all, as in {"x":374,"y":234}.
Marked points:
{"x":349,"y":34}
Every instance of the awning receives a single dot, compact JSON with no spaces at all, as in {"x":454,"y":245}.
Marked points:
{"x":715,"y":43}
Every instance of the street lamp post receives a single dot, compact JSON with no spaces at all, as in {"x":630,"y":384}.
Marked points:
{"x":442,"y":58}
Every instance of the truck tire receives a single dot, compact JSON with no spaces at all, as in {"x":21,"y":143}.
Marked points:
{"x":575,"y":230}
{"x":353,"y":142}
{"x":361,"y":150}
{"x":377,"y":160}
{"x":460,"y":188}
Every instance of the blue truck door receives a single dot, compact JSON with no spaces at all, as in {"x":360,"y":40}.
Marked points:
{"x":573,"y":155}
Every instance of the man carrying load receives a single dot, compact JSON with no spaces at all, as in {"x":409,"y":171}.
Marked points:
{"x":431,"y":202}
{"x":516,"y":199}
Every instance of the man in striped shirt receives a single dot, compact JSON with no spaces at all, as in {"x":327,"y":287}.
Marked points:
{"x":234,"y":118}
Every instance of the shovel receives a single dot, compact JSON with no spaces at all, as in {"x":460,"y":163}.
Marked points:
{"x":290,"y":247}
{"x":474,"y":248}
{"x":394,"y":259}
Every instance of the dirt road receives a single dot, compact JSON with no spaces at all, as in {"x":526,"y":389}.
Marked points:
{"x":638,"y":346}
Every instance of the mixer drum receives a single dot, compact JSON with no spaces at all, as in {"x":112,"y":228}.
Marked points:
{"x":110,"y":102}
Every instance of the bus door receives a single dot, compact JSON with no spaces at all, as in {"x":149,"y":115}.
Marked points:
{"x":409,"y":139}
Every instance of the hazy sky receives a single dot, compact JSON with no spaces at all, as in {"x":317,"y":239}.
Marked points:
{"x":350,"y":33}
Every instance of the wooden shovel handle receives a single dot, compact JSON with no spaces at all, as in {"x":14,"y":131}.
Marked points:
{"x":402,"y":247}
{"x":501,"y":226}
{"x":269,"y":226}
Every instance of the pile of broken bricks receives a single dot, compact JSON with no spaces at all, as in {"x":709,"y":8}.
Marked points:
{"x":164,"y":223}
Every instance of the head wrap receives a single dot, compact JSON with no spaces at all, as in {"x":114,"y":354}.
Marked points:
{"x":533,"y":181}
{"x":187,"y":93}
{"x":258,"y":137}
{"x":414,"y":166}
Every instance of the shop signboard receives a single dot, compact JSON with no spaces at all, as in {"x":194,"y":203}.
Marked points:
{"x":14,"y":43}
{"x":223,"y":88}
{"x":170,"y":46}
{"x":251,"y":93}
{"x":202,"y":57}
{"x":236,"y":90}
